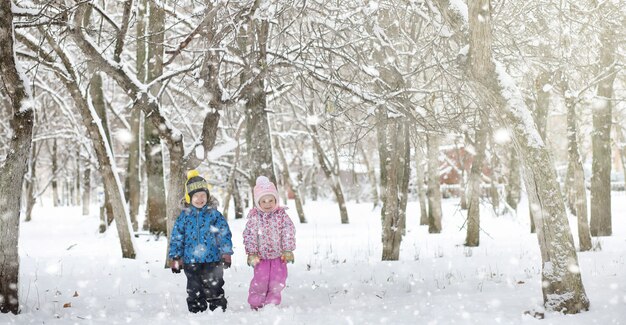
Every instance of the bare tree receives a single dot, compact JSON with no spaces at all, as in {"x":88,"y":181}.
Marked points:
{"x":14,"y":167}
{"x":133,"y":177}
{"x":155,"y":209}
{"x":562,"y":287}
{"x":601,"y":139}
{"x":578,"y":175}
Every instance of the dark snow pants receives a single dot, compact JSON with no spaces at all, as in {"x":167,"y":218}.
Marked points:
{"x":205,"y":282}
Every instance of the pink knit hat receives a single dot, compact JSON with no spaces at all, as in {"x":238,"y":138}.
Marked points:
{"x":264,"y":187}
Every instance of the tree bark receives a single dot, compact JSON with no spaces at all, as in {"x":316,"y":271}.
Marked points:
{"x":513,"y":185}
{"x":237,"y":201}
{"x":391,"y":221}
{"x":13,"y":169}
{"x":77,"y":178}
{"x":133,"y":179}
{"x":55,"y":172}
{"x":472,"y":238}
{"x":433,"y":192}
{"x":30,"y":184}
{"x":86,"y":190}
{"x":156,"y":207}
{"x":404,"y":172}
{"x":462,"y":180}
{"x":258,"y":138}
{"x":493,"y":188}
{"x":132,"y":173}
{"x":541,"y":118}
{"x":578,"y":179}
{"x":601,"y":141}
{"x":421,"y":193}
{"x":99,"y":105}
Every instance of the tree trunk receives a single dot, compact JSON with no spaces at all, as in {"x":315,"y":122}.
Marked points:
{"x":569,"y":188}
{"x":86,"y":190}
{"x":493,"y":188}
{"x":383,"y":151}
{"x":513,"y":185}
{"x":30,"y":184}
{"x":391,"y":222}
{"x":99,"y":105}
{"x":103,"y":149}
{"x":332,"y":175}
{"x":156,"y":207}
{"x":77,"y":178}
{"x":133,"y":178}
{"x":289,"y":183}
{"x":13,"y":168}
{"x":562,"y":287}
{"x":475,"y":179}
{"x":578,"y":184}
{"x":237,"y":201}
{"x":421,"y":193}
{"x":55,"y":173}
{"x":601,"y":141}
{"x":433,"y":191}
{"x":462,"y":181}
{"x":541,"y":118}
{"x":371,"y":176}
{"x":233,"y":190}
{"x":619,"y":133}
{"x":341,"y":200}
{"x":404,"y":173}
{"x":258,"y":138}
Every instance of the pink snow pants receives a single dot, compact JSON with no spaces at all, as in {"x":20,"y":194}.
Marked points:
{"x":267,"y":283}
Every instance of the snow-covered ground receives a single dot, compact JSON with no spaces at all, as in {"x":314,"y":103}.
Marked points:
{"x":70,"y":274}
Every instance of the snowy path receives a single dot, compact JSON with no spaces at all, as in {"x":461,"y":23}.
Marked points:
{"x":337,"y":277}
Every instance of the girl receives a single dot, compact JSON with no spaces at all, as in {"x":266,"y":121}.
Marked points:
{"x":269,"y":238}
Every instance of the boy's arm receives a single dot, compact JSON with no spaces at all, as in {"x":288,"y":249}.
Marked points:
{"x":288,"y":233}
{"x":176,"y":239}
{"x":226,"y":243}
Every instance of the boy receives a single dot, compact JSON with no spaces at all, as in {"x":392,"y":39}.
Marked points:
{"x":201,"y":246}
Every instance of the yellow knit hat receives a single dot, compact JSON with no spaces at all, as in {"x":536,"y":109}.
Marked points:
{"x":194,"y":184}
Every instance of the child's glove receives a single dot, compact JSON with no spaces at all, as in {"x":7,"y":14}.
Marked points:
{"x":287,"y":257}
{"x":226,"y":261}
{"x":176,"y":265}
{"x":253,"y":260}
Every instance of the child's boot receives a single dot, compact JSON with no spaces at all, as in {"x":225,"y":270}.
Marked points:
{"x":219,"y":302}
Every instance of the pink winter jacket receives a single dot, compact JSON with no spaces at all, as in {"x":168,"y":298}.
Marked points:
{"x":269,"y":234}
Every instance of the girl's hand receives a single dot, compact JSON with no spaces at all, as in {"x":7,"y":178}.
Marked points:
{"x":253,"y":260}
{"x":287,"y":257}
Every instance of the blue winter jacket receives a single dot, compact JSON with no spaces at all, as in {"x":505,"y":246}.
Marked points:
{"x":200,"y":236}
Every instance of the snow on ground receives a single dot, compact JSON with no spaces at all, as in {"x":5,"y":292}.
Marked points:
{"x":70,"y":274}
